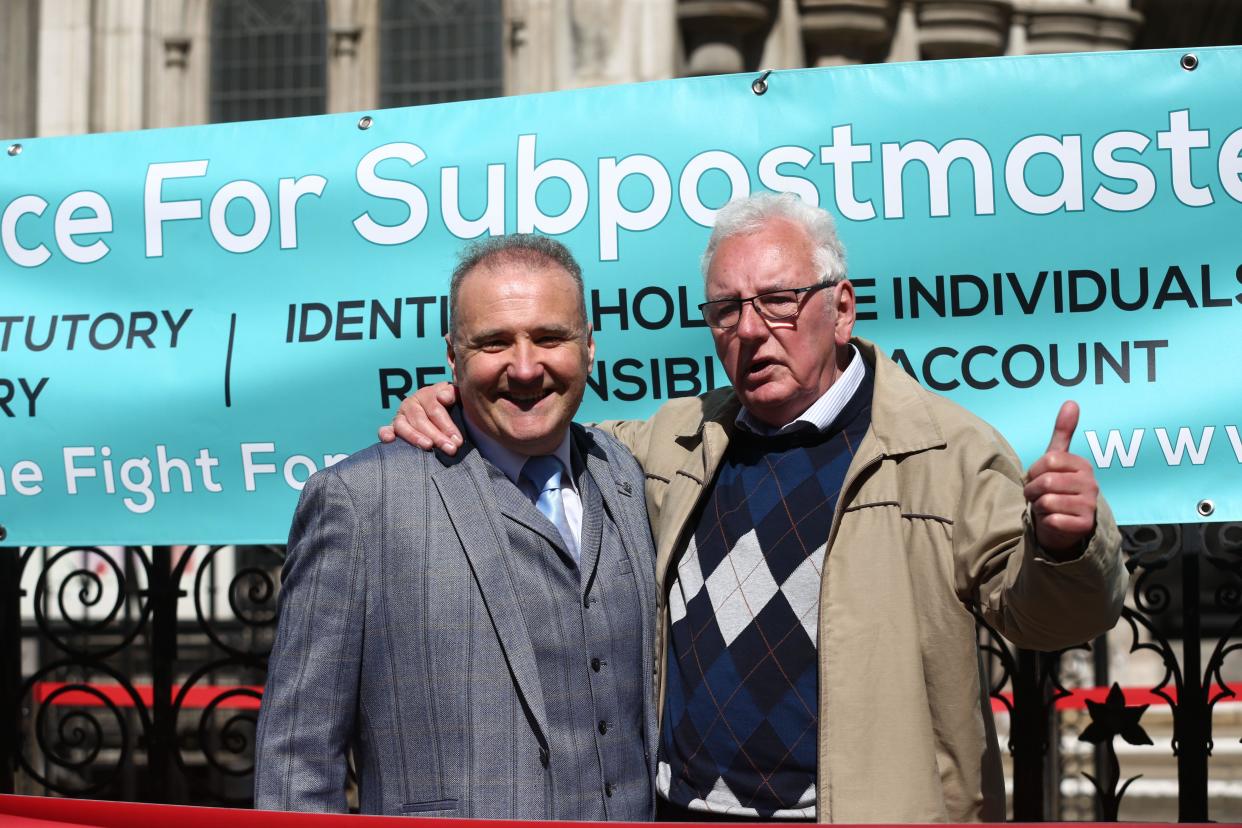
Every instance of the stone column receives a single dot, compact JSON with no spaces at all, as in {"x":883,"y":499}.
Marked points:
{"x":568,"y":44}
{"x":1017,"y":30}
{"x":535,"y":40}
{"x":18,"y":70}
{"x":783,"y":48}
{"x":838,"y":32}
{"x":963,"y":28}
{"x":63,"y":78}
{"x":905,"y":46}
{"x":723,"y":36}
{"x":117,"y":66}
{"x":178,"y":73}
{"x":353,"y":54}
{"x":658,"y":46}
{"x":619,"y":41}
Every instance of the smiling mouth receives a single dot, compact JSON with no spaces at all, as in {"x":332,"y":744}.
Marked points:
{"x":527,"y":400}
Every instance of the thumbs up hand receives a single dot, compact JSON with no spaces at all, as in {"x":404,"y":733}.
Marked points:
{"x":1062,"y":491}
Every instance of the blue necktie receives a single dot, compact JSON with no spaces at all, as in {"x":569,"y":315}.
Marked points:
{"x":543,"y":473}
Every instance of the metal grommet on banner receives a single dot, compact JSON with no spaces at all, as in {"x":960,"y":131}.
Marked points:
{"x":760,"y":84}
{"x":365,"y":122}
{"x":1205,"y":508}
{"x":15,"y":150}
{"x":1190,"y":61}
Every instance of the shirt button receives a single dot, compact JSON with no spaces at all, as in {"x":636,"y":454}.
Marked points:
{"x":595,"y":664}
{"x":603,"y":727}
{"x":608,"y":789}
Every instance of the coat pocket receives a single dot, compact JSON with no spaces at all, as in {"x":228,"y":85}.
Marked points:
{"x":434,"y":805}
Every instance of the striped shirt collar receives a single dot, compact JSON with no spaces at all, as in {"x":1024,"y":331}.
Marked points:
{"x":823,"y":411}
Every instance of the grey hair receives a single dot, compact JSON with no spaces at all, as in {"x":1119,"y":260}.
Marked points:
{"x":744,"y":216}
{"x":524,"y":249}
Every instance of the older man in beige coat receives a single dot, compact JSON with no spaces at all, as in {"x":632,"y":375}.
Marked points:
{"x":827,"y":487}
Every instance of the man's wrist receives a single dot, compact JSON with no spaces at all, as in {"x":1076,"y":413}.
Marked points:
{"x":1070,"y":553}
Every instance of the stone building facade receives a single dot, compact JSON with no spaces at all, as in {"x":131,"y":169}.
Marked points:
{"x":75,"y":66}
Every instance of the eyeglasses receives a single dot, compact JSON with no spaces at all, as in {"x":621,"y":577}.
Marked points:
{"x":772,"y":305}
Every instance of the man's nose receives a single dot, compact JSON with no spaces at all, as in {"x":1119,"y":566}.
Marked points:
{"x":526,"y":366}
{"x":750,"y":325}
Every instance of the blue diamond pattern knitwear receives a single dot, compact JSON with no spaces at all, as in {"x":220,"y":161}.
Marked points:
{"x":543,"y":474}
{"x":740,"y":733}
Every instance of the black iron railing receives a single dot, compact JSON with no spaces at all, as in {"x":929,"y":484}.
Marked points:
{"x":129,"y":676}
{"x":135,"y":673}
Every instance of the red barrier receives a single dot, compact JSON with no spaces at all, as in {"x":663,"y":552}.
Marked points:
{"x":1077,"y":699}
{"x":9,"y":821}
{"x":49,"y":812}
{"x":203,"y":695}
{"x":198,"y":696}
{"x":52,"y":811}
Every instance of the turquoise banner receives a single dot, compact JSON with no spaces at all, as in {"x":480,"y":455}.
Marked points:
{"x":192,"y":321}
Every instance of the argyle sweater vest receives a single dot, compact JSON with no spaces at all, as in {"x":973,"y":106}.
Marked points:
{"x":740,"y":725}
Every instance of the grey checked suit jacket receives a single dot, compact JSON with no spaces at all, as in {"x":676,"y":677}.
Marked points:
{"x":401,"y":638}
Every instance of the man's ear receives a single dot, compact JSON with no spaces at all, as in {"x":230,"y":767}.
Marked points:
{"x":846,"y":307}
{"x":590,"y":334}
{"x":452,"y":357}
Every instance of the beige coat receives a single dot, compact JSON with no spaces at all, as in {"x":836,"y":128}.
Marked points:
{"x":931,"y":519}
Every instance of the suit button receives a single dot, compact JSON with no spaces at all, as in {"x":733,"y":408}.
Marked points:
{"x":603,"y":727}
{"x":543,"y":756}
{"x":595,"y":664}
{"x":608,"y":789}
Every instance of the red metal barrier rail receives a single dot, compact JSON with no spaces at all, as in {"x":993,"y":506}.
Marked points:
{"x":48,"y":812}
{"x":196,"y":697}
{"x":1077,"y":699}
{"x":203,"y":695}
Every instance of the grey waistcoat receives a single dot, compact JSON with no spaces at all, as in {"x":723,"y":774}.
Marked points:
{"x":583,"y":621}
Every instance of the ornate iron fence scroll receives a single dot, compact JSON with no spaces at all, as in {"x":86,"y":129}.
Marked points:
{"x":1184,"y":617}
{"x":134,"y":673}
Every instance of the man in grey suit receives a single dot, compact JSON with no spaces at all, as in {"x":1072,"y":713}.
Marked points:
{"x":476,"y":629}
